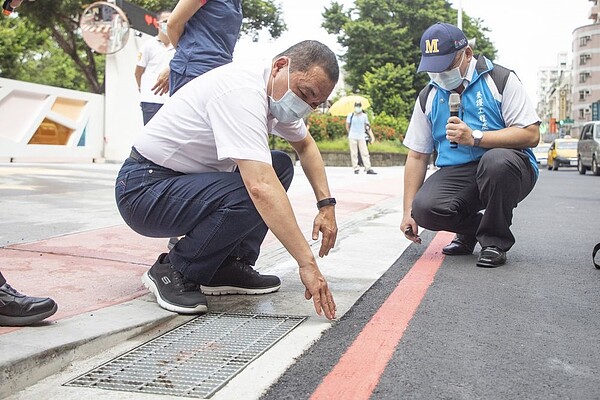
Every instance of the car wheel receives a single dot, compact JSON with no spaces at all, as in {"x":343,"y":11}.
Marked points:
{"x":555,"y":165}
{"x":595,"y":168}
{"x":580,"y":167}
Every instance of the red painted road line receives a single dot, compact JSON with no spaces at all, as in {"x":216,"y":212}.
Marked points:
{"x":357,"y":373}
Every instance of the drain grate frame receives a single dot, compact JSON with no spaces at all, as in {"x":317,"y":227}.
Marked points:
{"x":194,"y":359}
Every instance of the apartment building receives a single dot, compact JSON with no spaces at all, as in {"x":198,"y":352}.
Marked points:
{"x":554,"y":94}
{"x":585,"y":74}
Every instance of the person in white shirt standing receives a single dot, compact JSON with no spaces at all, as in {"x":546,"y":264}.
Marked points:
{"x":357,"y":126}
{"x":155,"y":54}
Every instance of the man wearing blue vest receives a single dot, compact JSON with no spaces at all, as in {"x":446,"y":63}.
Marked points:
{"x":485,"y":165}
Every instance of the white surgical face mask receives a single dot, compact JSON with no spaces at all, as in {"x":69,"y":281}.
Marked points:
{"x":448,"y":80}
{"x":289,"y":107}
{"x":357,"y":110}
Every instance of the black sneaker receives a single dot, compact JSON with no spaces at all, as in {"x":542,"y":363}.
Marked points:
{"x":238,"y":277}
{"x":16,"y":309}
{"x":172,"y":291}
{"x":371,"y":172}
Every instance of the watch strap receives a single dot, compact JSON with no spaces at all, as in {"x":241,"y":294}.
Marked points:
{"x":326,"y":202}
{"x":477,"y":140}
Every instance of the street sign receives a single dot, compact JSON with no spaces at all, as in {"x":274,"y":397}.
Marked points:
{"x":595,"y":110}
{"x":140,"y":19}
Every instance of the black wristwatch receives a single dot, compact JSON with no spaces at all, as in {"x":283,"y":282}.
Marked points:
{"x":330,"y":201}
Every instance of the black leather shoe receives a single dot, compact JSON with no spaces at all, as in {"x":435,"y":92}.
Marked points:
{"x":16,"y":309}
{"x":491,"y":257}
{"x":460,"y":246}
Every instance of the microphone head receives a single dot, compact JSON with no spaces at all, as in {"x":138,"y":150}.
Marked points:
{"x":454,"y":101}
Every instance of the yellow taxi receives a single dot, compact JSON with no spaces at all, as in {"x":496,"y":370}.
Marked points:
{"x":562,"y":153}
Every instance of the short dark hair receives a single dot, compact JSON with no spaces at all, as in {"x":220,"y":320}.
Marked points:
{"x":358,"y":104}
{"x":310,"y":53}
{"x":161,"y":12}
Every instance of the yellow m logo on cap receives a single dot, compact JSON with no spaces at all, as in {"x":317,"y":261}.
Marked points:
{"x":431,"y":46}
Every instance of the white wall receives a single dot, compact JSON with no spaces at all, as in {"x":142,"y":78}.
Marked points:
{"x":122,"y":104}
{"x":24,"y":106}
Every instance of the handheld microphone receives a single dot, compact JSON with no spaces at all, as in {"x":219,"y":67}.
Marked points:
{"x":454,"y":103}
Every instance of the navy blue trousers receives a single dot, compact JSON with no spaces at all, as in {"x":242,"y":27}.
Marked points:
{"x":451,"y":198}
{"x":213,"y":210}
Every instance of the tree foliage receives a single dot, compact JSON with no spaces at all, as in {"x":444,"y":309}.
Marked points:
{"x":46,"y":34}
{"x":382,"y":38}
{"x":389,"y":87}
{"x":28,"y":54}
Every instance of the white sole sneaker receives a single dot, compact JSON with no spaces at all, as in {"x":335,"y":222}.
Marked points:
{"x":151,"y":286}
{"x":222,"y":290}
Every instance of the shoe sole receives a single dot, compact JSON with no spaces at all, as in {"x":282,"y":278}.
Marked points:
{"x":153,"y":288}
{"x":456,"y":254}
{"x":489,"y":265}
{"x":24,"y":321}
{"x":223,"y":290}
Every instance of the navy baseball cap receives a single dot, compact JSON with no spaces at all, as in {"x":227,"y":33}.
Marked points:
{"x":439,"y":45}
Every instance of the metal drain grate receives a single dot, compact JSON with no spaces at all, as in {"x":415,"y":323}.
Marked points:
{"x":194,"y":359}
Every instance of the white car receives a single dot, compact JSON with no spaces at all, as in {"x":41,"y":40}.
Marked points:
{"x":541,"y":153}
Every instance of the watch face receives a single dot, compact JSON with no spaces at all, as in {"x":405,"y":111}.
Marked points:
{"x":477,"y":134}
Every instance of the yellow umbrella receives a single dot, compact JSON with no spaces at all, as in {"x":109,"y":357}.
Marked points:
{"x":345,"y":105}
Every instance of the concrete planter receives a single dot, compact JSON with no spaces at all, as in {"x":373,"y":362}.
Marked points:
{"x":342,"y":159}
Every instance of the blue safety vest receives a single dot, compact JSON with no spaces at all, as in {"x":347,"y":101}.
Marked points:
{"x":479,"y":109}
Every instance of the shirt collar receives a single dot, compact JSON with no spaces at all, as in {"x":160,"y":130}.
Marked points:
{"x":470,"y":71}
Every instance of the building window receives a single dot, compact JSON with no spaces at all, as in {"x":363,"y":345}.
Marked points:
{"x":583,"y":94}
{"x":583,"y":40}
{"x":584,"y":58}
{"x":583,"y":76}
{"x":581,"y":114}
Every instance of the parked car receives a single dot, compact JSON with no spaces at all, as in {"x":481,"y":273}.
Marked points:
{"x":588,"y":148}
{"x":562,"y":153}
{"x":541,"y":153}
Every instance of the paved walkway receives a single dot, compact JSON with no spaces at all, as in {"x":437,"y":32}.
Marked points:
{"x":63,"y":238}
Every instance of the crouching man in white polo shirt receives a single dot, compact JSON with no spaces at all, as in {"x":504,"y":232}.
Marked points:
{"x":202,"y":169}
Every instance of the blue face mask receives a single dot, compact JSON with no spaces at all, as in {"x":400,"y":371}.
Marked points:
{"x":289,"y":107}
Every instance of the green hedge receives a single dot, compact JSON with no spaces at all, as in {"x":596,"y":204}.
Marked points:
{"x":325,"y":127}
{"x":330,"y":133}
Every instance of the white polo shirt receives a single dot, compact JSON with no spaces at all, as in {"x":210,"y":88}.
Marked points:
{"x":154,"y":57}
{"x":217,"y":117}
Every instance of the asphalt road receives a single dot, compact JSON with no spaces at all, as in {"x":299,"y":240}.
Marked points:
{"x":527,"y":330}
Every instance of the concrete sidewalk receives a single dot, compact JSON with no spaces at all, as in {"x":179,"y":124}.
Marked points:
{"x":63,"y":238}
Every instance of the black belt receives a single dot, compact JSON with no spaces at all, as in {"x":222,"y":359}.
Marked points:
{"x":137,"y":156}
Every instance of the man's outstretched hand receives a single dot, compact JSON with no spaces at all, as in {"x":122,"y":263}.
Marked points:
{"x":317,"y":290}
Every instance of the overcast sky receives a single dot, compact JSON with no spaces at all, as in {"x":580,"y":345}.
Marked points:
{"x":528,"y":34}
